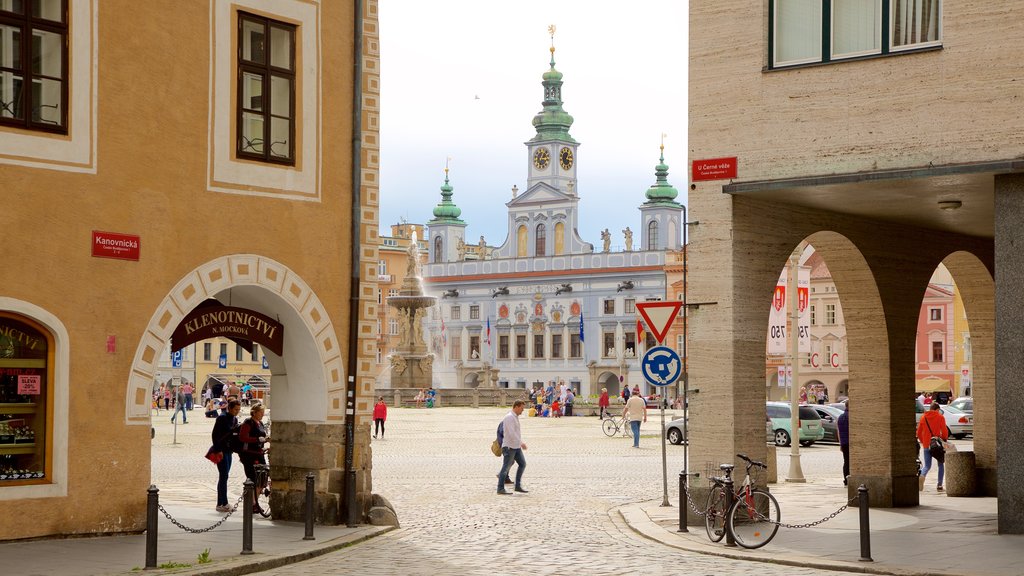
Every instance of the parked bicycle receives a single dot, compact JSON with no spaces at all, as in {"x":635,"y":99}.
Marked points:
{"x":754,"y":515}
{"x":611,"y":425}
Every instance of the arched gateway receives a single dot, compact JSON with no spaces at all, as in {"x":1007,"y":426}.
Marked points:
{"x":308,"y":394}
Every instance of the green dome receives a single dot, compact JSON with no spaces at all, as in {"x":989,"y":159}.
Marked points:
{"x":552,"y":123}
{"x":446,"y":212}
{"x":661,"y":192}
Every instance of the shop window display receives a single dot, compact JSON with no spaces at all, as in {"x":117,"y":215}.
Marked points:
{"x":25,"y":362}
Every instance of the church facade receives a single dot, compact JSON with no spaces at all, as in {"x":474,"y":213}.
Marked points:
{"x":545,"y":305}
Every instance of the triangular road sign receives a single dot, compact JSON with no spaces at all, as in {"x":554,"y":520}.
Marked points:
{"x":659,"y":316}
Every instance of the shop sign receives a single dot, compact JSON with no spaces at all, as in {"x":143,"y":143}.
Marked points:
{"x":114,"y":245}
{"x":239,"y":324}
{"x":714,"y":169}
{"x":30,"y":384}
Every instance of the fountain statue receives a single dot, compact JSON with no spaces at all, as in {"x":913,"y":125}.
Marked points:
{"x":411,"y":363}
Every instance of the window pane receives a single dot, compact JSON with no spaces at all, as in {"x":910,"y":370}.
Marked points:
{"x":48,"y":10}
{"x":252,"y":41}
{"x":252,"y":133}
{"x":46,"y":53}
{"x":914,"y":22}
{"x":10,"y":96}
{"x":252,"y":91}
{"x":281,"y":96}
{"x":10,"y":47}
{"x":16,"y":6}
{"x":797,"y":31}
{"x":856,"y":27}
{"x":280,"y":129}
{"x":281,"y":48}
{"x":46,"y":98}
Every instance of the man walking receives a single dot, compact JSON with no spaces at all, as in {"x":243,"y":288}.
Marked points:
{"x":512,"y":447}
{"x":179,"y":406}
{"x":843,"y":425}
{"x":635,"y":412}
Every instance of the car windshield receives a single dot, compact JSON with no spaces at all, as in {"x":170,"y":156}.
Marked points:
{"x":808,"y":413}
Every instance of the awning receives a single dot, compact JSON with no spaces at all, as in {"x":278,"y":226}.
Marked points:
{"x":933,"y":384}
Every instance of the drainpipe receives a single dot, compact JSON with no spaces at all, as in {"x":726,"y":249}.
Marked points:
{"x":352,"y":515}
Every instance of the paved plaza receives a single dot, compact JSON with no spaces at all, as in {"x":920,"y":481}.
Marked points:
{"x":593,"y":508}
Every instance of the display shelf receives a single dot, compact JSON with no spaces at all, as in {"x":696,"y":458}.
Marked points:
{"x":17,"y":448}
{"x":18,"y":408}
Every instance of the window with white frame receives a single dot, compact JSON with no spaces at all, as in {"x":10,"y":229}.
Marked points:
{"x":392,"y":292}
{"x":609,"y":306}
{"x":393,"y":326}
{"x":630,"y":306}
{"x":474,"y":312}
{"x":455,"y":351}
{"x":813,"y":318}
{"x":817,"y":31}
{"x":935,"y":314}
{"x":937,"y":349}
{"x":456,"y":313}
{"x":830,"y":314}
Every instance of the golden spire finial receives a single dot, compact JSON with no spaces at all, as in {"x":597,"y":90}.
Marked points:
{"x":446,"y":162}
{"x":551,"y":31}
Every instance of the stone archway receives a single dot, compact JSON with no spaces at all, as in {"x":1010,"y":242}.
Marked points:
{"x":609,"y":380}
{"x":308,"y":394}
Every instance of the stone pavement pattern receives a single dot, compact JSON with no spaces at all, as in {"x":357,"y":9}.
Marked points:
{"x":435,"y":467}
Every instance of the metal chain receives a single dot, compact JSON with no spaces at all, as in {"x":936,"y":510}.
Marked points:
{"x":693,"y":506}
{"x":809,"y":524}
{"x":201,"y":530}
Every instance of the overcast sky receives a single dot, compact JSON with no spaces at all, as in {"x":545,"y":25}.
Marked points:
{"x":462,"y":79}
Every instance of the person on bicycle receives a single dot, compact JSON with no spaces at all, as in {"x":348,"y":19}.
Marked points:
{"x":253,"y":435}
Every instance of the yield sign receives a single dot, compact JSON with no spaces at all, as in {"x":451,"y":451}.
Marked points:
{"x":659,"y":316}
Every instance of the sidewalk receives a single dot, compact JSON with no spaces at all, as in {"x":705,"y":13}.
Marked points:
{"x":274,"y":544}
{"x":943,"y":536}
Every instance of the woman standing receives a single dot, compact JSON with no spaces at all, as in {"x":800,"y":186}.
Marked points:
{"x":222,"y":429}
{"x":602,"y":402}
{"x":253,"y":435}
{"x":380,"y":414}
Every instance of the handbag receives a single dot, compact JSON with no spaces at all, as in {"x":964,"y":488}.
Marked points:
{"x":214,"y":455}
{"x":936,"y":447}
{"x":495,"y":448}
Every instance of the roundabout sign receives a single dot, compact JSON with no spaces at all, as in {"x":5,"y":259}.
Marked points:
{"x":661,"y":366}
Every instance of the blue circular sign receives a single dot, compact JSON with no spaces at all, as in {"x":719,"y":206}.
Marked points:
{"x":661,"y":366}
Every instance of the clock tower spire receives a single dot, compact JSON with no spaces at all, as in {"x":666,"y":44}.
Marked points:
{"x":552,"y":151}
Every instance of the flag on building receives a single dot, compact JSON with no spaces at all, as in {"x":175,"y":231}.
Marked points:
{"x":640,"y":338}
{"x":581,"y":325}
{"x":444,"y":335}
{"x":488,"y":330}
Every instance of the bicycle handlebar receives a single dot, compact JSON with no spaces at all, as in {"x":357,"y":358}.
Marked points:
{"x":752,"y":462}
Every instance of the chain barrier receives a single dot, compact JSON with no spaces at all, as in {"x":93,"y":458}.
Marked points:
{"x":764,"y":518}
{"x":200,"y":530}
{"x":693,"y":506}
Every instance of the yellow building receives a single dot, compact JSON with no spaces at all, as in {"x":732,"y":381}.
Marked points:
{"x":182,"y":166}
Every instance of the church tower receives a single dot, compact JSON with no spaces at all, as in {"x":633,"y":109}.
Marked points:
{"x":446,"y":233}
{"x":661,"y":215}
{"x":552,"y":152}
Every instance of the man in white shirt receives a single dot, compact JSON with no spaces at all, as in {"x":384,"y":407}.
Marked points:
{"x":635,"y":412}
{"x":512,"y":447}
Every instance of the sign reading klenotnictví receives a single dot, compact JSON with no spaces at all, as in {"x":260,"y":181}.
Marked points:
{"x":228,"y":322}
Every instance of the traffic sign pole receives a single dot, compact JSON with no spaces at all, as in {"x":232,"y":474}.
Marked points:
{"x":661,"y":366}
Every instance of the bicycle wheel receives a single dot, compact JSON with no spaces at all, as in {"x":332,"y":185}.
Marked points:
{"x":609,"y":427}
{"x":753,"y":519}
{"x":714,"y":513}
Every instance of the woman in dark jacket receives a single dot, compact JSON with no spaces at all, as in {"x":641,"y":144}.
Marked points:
{"x":222,"y":428}
{"x":252,"y":436}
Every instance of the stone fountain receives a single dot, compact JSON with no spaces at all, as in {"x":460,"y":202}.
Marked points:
{"x":412,"y":366}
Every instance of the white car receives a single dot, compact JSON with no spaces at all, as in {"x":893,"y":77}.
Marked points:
{"x":958,"y":422}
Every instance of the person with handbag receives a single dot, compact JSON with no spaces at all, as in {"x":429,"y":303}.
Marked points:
{"x":512,"y":447}
{"x":223,"y":428}
{"x":932,"y":434}
{"x":252,"y":435}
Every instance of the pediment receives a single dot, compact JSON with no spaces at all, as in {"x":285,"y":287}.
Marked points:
{"x":540,"y":193}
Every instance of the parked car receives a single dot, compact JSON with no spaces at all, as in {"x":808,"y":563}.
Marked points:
{"x":810,"y":424}
{"x":964,"y":403}
{"x":958,"y":423}
{"x":674,"y":431}
{"x":829,"y":421}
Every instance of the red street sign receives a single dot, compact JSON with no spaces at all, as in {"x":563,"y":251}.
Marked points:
{"x":659,"y":316}
{"x":114,"y":245}
{"x":714,"y":169}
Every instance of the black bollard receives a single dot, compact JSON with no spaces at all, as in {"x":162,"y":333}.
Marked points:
{"x":730,"y":497}
{"x":310,"y":514}
{"x":152,"y":521}
{"x":865,"y":530}
{"x":683,"y":502}
{"x":247,"y":517}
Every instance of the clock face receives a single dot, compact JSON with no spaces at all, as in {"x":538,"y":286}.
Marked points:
{"x":565,"y":158}
{"x":541,"y":158}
